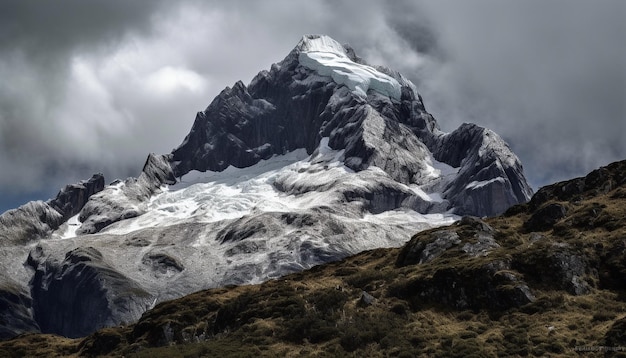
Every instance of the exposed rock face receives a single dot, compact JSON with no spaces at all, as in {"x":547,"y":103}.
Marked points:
{"x":477,"y":239}
{"x":487,"y":286}
{"x":490,"y":178}
{"x":30,"y":222}
{"x":424,"y":251}
{"x":15,"y":312}
{"x":72,"y":198}
{"x":555,"y":266}
{"x":82,"y":294}
{"x":126,"y":199}
{"x":612,"y":268}
{"x":162,"y":264}
{"x":37,"y":219}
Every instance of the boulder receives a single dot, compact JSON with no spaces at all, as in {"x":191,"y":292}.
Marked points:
{"x":544,"y":218}
{"x":366,"y":299}
{"x":554,"y":266}
{"x":487,"y":286}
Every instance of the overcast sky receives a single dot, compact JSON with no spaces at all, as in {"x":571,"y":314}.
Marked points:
{"x":94,"y":86}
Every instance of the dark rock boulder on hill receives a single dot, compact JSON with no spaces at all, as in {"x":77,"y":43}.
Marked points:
{"x":487,"y":283}
{"x":546,"y":217}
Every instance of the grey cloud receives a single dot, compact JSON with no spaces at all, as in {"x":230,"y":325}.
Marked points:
{"x":48,"y":27}
{"x":81,"y":80}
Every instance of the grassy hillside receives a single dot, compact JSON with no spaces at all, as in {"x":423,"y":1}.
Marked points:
{"x":548,"y":278}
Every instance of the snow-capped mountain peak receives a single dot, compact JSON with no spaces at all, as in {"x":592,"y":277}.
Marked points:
{"x":321,"y":43}
{"x":319,"y":157}
{"x":328,"y":58}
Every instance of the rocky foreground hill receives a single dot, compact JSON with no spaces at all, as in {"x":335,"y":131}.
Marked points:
{"x":544,"y":279}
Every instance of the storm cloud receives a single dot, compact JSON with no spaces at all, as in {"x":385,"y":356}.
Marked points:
{"x":95,"y":86}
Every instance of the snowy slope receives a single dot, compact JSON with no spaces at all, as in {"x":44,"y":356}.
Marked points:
{"x":241,"y":226}
{"x":248,"y":199}
{"x":236,"y":192}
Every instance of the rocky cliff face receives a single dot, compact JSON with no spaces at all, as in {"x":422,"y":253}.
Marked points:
{"x":321,"y":157}
{"x":82,"y":293}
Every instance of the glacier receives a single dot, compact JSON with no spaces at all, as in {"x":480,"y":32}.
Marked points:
{"x":210,"y":197}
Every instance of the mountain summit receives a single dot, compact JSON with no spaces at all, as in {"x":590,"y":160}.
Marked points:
{"x":375,"y":115}
{"x":320,"y":157}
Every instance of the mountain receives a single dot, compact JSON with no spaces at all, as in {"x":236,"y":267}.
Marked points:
{"x":321,"y":157}
{"x":543,"y":279}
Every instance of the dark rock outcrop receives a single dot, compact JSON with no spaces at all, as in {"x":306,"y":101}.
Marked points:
{"x":546,"y":217}
{"x":487,"y":286}
{"x":83,"y":293}
{"x":612,"y":265}
{"x":487,"y":283}
{"x":71,"y":199}
{"x":162,"y":263}
{"x":37,"y":219}
{"x":15,"y":312}
{"x":471,"y":236}
{"x":124,"y":200}
{"x":424,"y":251}
{"x":555,"y":266}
